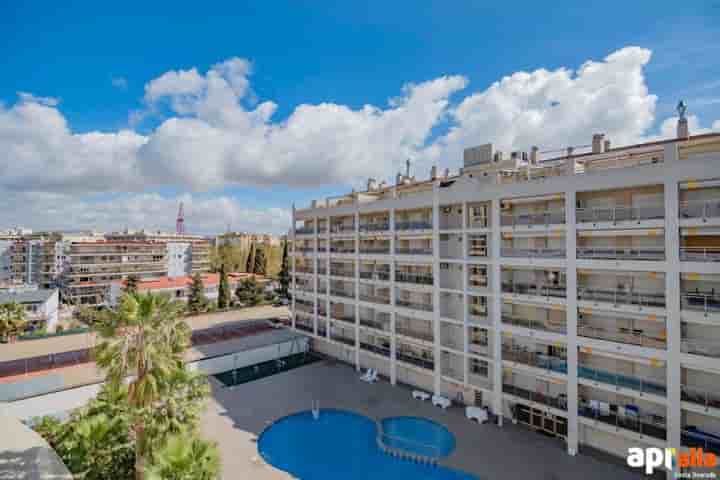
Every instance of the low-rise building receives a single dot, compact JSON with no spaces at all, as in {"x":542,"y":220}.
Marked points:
{"x":41,"y":305}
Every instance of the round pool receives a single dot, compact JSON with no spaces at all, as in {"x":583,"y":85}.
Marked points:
{"x":340,"y":444}
{"x":418,"y":435}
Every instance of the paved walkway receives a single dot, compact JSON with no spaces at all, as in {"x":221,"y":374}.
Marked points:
{"x":236,"y":417}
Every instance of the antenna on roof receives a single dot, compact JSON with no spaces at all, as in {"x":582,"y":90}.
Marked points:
{"x":407,"y":168}
{"x":180,"y":222}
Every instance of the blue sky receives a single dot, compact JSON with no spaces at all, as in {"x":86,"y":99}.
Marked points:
{"x":96,"y":59}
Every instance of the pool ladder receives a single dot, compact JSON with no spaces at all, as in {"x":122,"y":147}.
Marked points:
{"x":316,"y":409}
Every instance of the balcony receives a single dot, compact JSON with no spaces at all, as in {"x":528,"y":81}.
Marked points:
{"x":559,"y":402}
{"x":610,"y":253}
{"x":380,"y":321}
{"x":425,"y":307}
{"x":533,"y":252}
{"x":692,"y":436}
{"x":650,"y":425}
{"x":705,"y":348}
{"x":708,"y":302}
{"x":534,"y":359}
{"x":375,"y":250}
{"x":451,"y":217}
{"x":546,"y":219}
{"x":639,"y":384}
{"x":413,"y":225}
{"x":616,"y":297}
{"x":547,"y":291}
{"x":342,"y":228}
{"x":700,"y":254}
{"x":305,"y":230}
{"x":342,"y":293}
{"x":620,"y":214}
{"x":374,"y":348}
{"x":375,"y":227}
{"x":544,"y":325}
{"x":414,"y":278}
{"x":700,"y":396}
{"x":382,"y":275}
{"x":422,"y":360}
{"x":413,"y":251}
{"x":342,"y":272}
{"x":375,"y":298}
{"x":623,"y":335}
{"x":343,"y":249}
{"x":703,"y":209}
{"x":343,"y":317}
{"x":406,"y":330}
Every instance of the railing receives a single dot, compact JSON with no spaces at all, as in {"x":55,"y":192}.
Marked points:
{"x":694,"y":437}
{"x":478,"y":318}
{"x":605,"y":253}
{"x":417,"y":225}
{"x":452,"y":373}
{"x":376,"y":275}
{"x":622,"y":335}
{"x":700,"y":254}
{"x":342,"y":293}
{"x":344,"y":318}
{"x":322,"y":249}
{"x":342,"y":339}
{"x":625,"y":381}
{"x":556,"y":402}
{"x":374,"y":227}
{"x":700,"y":209}
{"x":478,"y":222}
{"x":377,"y":325}
{"x":370,"y":347}
{"x":534,"y":359}
{"x":375,"y":299}
{"x":650,"y":425}
{"x":706,"y":302}
{"x":305,"y":327}
{"x":450,"y":223}
{"x":423,"y":362}
{"x":304,"y":230}
{"x":615,"y":297}
{"x":701,"y":347}
{"x":700,"y":396}
{"x":303,"y":307}
{"x":412,"y":333}
{"x":413,"y":251}
{"x":532,"y":289}
{"x":415,"y":306}
{"x":405,"y":448}
{"x":342,"y":249}
{"x":418,"y":278}
{"x":535,"y":324}
{"x":342,"y":273}
{"x":533,"y":252}
{"x":342,"y":228}
{"x":528,"y":219}
{"x":378,"y":250}
{"x":620,"y":214}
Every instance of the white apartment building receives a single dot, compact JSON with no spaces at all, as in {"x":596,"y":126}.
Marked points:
{"x":578,"y":295}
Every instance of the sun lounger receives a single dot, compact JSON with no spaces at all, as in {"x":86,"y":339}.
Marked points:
{"x":440,"y":401}
{"x":420,"y":395}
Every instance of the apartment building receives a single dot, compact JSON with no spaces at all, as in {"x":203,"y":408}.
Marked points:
{"x":84,"y":267}
{"x":245,"y":239}
{"x":578,"y":295}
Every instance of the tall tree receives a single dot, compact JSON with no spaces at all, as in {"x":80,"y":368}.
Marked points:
{"x":284,"y":275}
{"x":12,"y":320}
{"x":131,"y":283}
{"x":260,"y":264}
{"x":196,"y":301}
{"x":249,"y":292}
{"x":250,"y":264}
{"x":143,"y":340}
{"x":223,"y":299}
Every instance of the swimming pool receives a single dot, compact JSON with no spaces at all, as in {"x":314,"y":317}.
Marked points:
{"x":418,"y":435}
{"x":340,"y":444}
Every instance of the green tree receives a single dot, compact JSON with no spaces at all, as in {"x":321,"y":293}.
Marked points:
{"x":223,"y":299}
{"x":249,"y":292}
{"x":142,"y":340}
{"x":183,"y":458}
{"x":260,"y":264}
{"x":131,"y":283}
{"x":284,"y":276}
{"x":250,"y":263}
{"x":196,"y":301}
{"x":12,"y":320}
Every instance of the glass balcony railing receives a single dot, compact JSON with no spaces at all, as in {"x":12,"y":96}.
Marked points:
{"x":336,"y":272}
{"x":416,"y":278}
{"x":559,"y":402}
{"x":534,"y":359}
{"x":610,"y":253}
{"x":413,"y":251}
{"x":620,"y":214}
{"x":708,"y":302}
{"x":622,"y":335}
{"x":342,"y":228}
{"x":700,"y":254}
{"x":304,"y":230}
{"x":705,"y":348}
{"x":342,"y":249}
{"x":413,"y":225}
{"x":376,"y":250}
{"x":638,"y":384}
{"x":692,"y":436}
{"x":426,"y":307}
{"x":616,"y":297}
{"x":342,"y":339}
{"x":375,"y":227}
{"x":557,"y":291}
{"x":425,"y":335}
{"x":425,"y":362}
{"x":340,"y":317}
{"x":546,"y":325}
{"x":342,"y":293}
{"x":701,"y":396}
{"x":371,"y":347}
{"x":532,"y":219}
{"x":533,"y":252}
{"x":651,"y":425}
{"x":376,"y":324}
{"x":700,"y":209}
{"x":380,"y":299}
{"x":381,"y":275}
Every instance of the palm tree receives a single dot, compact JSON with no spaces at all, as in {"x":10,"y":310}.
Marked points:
{"x":131,"y":283}
{"x":142,"y":340}
{"x":184,"y":458}
{"x":12,"y":319}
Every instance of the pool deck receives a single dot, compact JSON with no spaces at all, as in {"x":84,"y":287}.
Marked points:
{"x":235,"y":417}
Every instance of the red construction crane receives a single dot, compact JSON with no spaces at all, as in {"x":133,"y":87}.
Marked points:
{"x":180,"y":222}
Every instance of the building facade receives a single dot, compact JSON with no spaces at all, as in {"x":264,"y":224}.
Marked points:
{"x":41,"y":305}
{"x":578,"y":295}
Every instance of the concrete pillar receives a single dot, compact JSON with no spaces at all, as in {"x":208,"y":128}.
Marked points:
{"x":356,"y":309}
{"x":293,"y":289}
{"x":571,"y":322}
{"x":464,"y":272}
{"x":436,"y":286}
{"x":393,"y":316}
{"x":495,"y":307}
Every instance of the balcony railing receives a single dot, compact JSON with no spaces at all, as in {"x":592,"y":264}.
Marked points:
{"x":305,"y":327}
{"x":530,"y":219}
{"x":559,"y":402}
{"x":534,"y":359}
{"x":701,"y":396}
{"x":450,"y":223}
{"x":376,"y":250}
{"x":609,"y":253}
{"x":545,"y":325}
{"x":342,"y":339}
{"x":622,"y":335}
{"x":375,"y":227}
{"x":417,"y":278}
{"x":343,"y":318}
{"x":694,"y":437}
{"x":702,"y":301}
{"x":650,"y":425}
{"x":620,"y":214}
{"x":700,"y":254}
{"x":342,"y":273}
{"x":423,"y":362}
{"x":624,"y":381}
{"x":322,"y":249}
{"x":700,"y":209}
{"x":370,"y":347}
{"x":342,"y":249}
{"x":414,"y":305}
{"x":375,"y":299}
{"x":342,"y":228}
{"x":342,"y":293}
{"x":414,"y":333}
{"x":304,"y":307}
{"x":413,"y":251}
{"x":477,"y":222}
{"x":641,"y":299}
{"x":706,"y":348}
{"x":304,"y":230}
{"x":533,"y":252}
{"x":414,"y":225}
{"x":557,"y":291}
{"x":376,"y":275}
{"x":376,"y":324}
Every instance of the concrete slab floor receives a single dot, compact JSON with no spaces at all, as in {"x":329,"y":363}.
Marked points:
{"x":235,"y":417}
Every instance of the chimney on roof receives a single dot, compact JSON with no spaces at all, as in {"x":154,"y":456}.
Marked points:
{"x":433,"y":172}
{"x":534,"y":155}
{"x":597,"y":140}
{"x":606,"y":145}
{"x":683,"y":131}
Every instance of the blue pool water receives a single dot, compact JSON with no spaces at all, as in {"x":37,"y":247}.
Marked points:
{"x":339,"y":445}
{"x":418,"y":435}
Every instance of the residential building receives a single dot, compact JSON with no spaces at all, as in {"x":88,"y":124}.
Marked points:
{"x":244,"y":239}
{"x":578,"y":295}
{"x":41,"y":305}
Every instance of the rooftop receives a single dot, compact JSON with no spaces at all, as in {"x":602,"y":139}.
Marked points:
{"x":25,"y":296}
{"x":163,"y":283}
